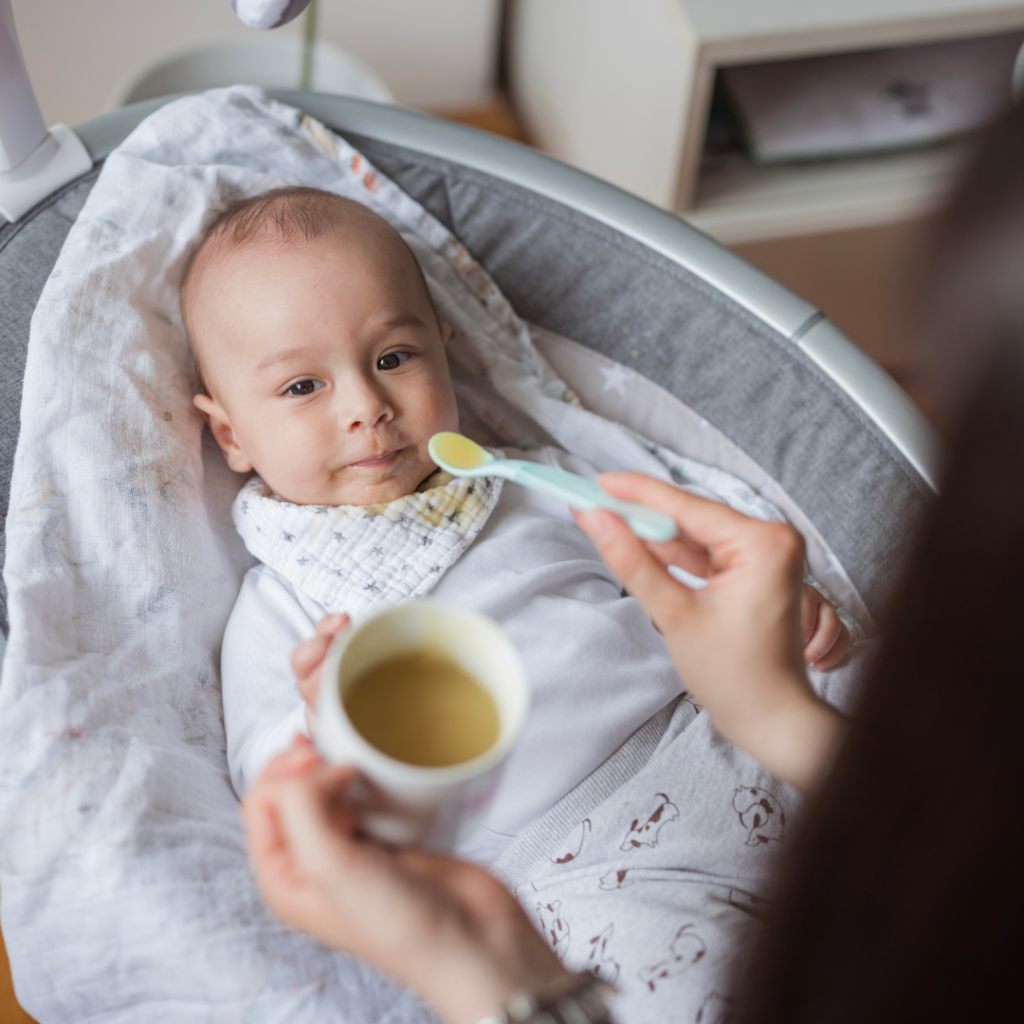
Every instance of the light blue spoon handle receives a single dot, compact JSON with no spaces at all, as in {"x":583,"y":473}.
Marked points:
{"x":647,"y":523}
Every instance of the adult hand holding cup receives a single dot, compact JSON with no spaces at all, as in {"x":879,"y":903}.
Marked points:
{"x":426,"y":701}
{"x":442,"y":927}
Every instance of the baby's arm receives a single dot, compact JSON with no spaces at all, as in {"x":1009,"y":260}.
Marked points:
{"x":263,"y":711}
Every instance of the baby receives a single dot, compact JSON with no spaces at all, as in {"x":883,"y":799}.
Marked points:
{"x":323,"y":360}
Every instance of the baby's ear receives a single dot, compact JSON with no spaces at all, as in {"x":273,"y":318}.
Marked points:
{"x":446,"y":333}
{"x":223,"y":433}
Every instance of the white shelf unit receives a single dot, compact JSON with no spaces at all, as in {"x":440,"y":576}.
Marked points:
{"x":623,"y":89}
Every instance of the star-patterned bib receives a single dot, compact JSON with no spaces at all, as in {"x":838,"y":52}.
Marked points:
{"x":360,"y":559}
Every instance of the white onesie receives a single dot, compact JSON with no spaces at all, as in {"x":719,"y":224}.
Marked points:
{"x":597,"y":668}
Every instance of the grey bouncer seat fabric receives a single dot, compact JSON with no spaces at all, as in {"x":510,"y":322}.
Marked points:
{"x":587,"y":261}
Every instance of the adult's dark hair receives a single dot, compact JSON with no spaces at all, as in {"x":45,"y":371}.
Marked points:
{"x":904,"y":899}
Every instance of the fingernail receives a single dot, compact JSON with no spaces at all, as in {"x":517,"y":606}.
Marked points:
{"x":596,"y":524}
{"x":301,"y":754}
{"x":303,"y":764}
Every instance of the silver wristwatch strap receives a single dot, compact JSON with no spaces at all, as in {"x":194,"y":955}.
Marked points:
{"x":575,"y":999}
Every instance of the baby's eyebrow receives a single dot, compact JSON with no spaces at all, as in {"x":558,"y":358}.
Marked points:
{"x":402,"y":320}
{"x":280,"y":357}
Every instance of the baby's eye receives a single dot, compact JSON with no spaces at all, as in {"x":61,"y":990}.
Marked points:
{"x":393,"y":360}
{"x":301,"y":388}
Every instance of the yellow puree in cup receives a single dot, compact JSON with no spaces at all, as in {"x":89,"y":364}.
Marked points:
{"x":424,"y":709}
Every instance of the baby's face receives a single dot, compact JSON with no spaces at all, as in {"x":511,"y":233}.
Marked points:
{"x":326,"y":369}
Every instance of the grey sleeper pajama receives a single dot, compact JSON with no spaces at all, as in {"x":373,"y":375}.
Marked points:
{"x":654,"y":872}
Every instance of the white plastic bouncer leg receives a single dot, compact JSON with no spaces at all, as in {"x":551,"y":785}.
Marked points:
{"x":34,"y":162}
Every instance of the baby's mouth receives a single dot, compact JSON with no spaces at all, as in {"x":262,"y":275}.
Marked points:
{"x":377,"y":461}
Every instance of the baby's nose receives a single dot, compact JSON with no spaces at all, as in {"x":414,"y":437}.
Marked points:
{"x":365,"y":408}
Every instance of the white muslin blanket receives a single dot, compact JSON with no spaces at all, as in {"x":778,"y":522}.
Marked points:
{"x":126,"y":891}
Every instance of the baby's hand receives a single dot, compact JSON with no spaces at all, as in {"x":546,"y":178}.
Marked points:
{"x":308,"y":658}
{"x":824,"y":635}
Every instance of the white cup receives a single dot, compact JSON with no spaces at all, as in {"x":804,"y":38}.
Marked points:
{"x":404,"y":803}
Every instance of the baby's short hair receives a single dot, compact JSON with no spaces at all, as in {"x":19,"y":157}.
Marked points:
{"x":290,"y":214}
{"x":283,"y":216}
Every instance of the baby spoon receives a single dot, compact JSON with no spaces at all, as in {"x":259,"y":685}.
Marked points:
{"x":462,"y":457}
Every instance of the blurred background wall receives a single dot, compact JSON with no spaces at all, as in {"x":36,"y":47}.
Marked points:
{"x":433,"y":54}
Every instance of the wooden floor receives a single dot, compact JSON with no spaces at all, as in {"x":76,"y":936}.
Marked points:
{"x":865,"y":280}
{"x":10,"y":1011}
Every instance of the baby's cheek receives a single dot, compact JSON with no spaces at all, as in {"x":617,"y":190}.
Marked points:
{"x":443,"y":411}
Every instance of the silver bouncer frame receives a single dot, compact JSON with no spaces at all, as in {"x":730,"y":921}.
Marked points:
{"x":881,"y":398}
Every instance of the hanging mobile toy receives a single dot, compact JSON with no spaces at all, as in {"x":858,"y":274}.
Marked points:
{"x":268,"y":13}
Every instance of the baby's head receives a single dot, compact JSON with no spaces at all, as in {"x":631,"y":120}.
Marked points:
{"x":319,"y":348}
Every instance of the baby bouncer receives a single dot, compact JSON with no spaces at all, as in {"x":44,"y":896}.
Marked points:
{"x":649,"y":322}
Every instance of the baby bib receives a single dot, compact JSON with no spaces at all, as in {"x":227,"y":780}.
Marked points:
{"x":360,"y":559}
